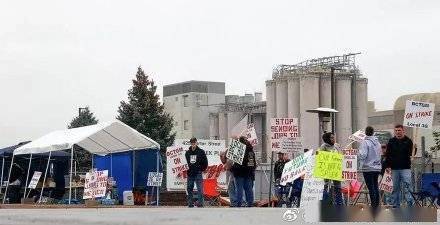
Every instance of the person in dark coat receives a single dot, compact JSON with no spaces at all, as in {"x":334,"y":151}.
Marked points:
{"x":197,"y":163}
{"x":398,"y":160}
{"x":244,"y":175}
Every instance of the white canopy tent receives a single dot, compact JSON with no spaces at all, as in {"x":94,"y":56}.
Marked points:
{"x":100,"y":139}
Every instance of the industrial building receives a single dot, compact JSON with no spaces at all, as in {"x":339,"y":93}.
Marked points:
{"x":294,"y":89}
{"x":190,"y":104}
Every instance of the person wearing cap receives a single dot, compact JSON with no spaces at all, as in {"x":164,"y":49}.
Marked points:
{"x":197,"y":163}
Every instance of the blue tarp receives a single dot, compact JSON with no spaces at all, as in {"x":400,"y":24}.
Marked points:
{"x":120,"y":167}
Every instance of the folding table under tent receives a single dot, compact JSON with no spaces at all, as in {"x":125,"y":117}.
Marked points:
{"x":100,"y":139}
{"x":7,"y":153}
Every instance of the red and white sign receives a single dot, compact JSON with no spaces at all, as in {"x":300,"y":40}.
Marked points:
{"x":419,"y":114}
{"x":282,"y":128}
{"x":358,"y":136}
{"x":177,"y":165}
{"x":95,"y":184}
{"x":349,"y":164}
{"x":250,"y":134}
{"x":176,"y":161}
{"x":387,"y":182}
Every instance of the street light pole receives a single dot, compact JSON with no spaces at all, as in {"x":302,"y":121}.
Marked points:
{"x":333,"y":96}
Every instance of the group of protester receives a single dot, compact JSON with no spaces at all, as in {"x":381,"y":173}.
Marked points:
{"x":374,"y":159}
{"x":240,"y":177}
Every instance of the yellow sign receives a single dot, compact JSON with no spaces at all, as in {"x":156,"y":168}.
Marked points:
{"x":328,"y":165}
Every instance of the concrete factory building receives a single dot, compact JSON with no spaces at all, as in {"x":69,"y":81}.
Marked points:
{"x":190,"y":104}
{"x":294,"y":89}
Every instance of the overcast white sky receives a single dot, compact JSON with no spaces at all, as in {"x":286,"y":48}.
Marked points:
{"x":56,"y":56}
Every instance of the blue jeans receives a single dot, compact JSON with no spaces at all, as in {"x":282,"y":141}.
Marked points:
{"x":198,"y":180}
{"x":245,"y":184}
{"x":337,"y":194}
{"x":404,"y":177}
{"x":231,"y":191}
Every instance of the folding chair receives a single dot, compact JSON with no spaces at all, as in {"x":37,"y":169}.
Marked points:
{"x":360,"y":192}
{"x":355,"y":187}
{"x":211,"y":192}
{"x":430,"y":190}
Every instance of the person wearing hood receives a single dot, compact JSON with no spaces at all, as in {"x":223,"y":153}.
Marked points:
{"x":369,"y":156}
{"x":197,"y":163}
{"x":329,"y":145}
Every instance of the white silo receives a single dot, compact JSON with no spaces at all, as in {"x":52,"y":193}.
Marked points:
{"x":309,"y":99}
{"x":293,"y":102}
{"x":270,"y":112}
{"x":325,"y":91}
{"x":281,"y":97}
{"x":361,"y":103}
{"x":343,"y":105}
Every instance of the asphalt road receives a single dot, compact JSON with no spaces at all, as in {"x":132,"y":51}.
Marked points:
{"x":134,"y":216}
{"x":203,"y":216}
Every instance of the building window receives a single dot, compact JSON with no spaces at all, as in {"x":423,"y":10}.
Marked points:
{"x":185,"y":101}
{"x":186,"y":125}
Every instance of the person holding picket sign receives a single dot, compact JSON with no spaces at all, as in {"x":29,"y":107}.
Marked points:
{"x":329,"y":145}
{"x":244,"y":175}
{"x":197,"y":163}
{"x":230,"y":177}
{"x":369,"y":156}
{"x":398,"y":160}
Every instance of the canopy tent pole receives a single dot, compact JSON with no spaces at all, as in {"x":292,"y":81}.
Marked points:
{"x":133,"y":169}
{"x":157,"y":172}
{"x":3,"y":169}
{"x":27,"y":177}
{"x":111,"y":165}
{"x":76,"y":189}
{"x":70,"y":177}
{"x":9,"y":177}
{"x":45,"y":175}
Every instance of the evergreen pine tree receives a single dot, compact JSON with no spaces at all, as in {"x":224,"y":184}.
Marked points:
{"x":144,"y":113}
{"x":83,"y":157}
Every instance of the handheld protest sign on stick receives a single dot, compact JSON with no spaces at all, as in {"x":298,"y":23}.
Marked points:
{"x":386,"y":184}
{"x":328,"y":165}
{"x":236,"y":151}
{"x":251,"y":134}
{"x":282,"y":128}
{"x":418,"y":115}
{"x":295,"y":168}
